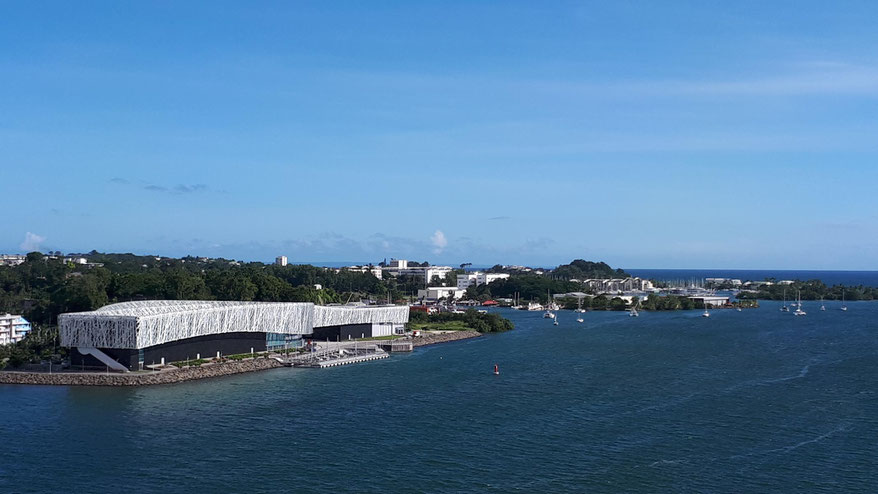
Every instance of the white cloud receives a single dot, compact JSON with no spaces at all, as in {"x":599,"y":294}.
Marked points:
{"x":31,"y":242}
{"x":439,"y":242}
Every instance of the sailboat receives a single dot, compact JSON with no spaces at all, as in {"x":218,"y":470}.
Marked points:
{"x":517,"y":302}
{"x":579,"y":310}
{"x":822,"y":305}
{"x":556,"y":320}
{"x":549,"y":306}
{"x":799,"y":311}
{"x":706,"y":313}
{"x":843,"y":306}
{"x":784,"y":308}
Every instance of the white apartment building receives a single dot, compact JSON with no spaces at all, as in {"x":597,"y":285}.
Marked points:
{"x":375,"y":270}
{"x":400,"y":267}
{"x":13,"y":328}
{"x":434,"y":293}
{"x":280,"y":260}
{"x":477,"y":278}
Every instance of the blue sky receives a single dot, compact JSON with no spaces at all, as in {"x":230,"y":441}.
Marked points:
{"x":646,"y":134}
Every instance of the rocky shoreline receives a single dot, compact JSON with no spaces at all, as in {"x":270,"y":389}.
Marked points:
{"x":434,"y":338}
{"x":168,"y":376}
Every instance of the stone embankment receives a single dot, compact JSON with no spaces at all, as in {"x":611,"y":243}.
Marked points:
{"x":433,"y":338}
{"x":168,"y":376}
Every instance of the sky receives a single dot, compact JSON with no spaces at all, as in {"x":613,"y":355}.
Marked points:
{"x":672,"y":134}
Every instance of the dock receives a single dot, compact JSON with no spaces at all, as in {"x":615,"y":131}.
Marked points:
{"x":335,"y":360}
{"x":398,"y":345}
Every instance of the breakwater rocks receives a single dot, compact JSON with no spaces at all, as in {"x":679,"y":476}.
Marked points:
{"x":139,"y":378}
{"x":433,"y":338}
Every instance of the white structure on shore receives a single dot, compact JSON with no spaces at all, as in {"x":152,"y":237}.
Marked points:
{"x":375,"y":270}
{"x":722,"y":281}
{"x":615,"y":285}
{"x":400,"y":267}
{"x":710,"y":300}
{"x":13,"y":328}
{"x":434,"y":293}
{"x":148,"y":323}
{"x":280,"y":260}
{"x":477,"y":278}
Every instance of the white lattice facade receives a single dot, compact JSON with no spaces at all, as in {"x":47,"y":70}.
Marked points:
{"x":137,"y":325}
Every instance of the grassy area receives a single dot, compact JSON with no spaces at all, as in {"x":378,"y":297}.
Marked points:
{"x":191,"y":363}
{"x":388,"y":337}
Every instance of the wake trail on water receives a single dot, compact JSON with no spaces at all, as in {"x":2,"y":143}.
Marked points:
{"x":843,"y":427}
{"x":765,"y":382}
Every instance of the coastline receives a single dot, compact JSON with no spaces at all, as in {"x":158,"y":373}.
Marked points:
{"x":444,"y":337}
{"x":174,"y":375}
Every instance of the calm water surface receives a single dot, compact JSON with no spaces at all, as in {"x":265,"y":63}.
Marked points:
{"x":752,"y":401}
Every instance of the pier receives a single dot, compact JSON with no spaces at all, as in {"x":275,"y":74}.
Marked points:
{"x":335,"y":360}
{"x":333,"y":354}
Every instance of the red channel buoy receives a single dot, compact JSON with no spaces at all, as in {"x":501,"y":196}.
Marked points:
{"x":496,"y":370}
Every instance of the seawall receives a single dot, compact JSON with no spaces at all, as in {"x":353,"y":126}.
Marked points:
{"x":139,"y":378}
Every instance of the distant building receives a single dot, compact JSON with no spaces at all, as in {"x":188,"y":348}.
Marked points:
{"x":81,"y":261}
{"x":434,"y":293}
{"x":400,"y":267}
{"x":614,"y":285}
{"x":477,"y":278}
{"x":13,"y":328}
{"x":375,"y":270}
{"x":280,"y":260}
{"x":12,"y":259}
{"x":722,"y":281}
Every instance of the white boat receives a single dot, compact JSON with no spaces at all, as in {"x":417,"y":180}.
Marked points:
{"x":799,"y":311}
{"x":579,"y":310}
{"x":556,"y":321}
{"x":843,"y":306}
{"x":706,"y":313}
{"x":633,"y":312}
{"x":548,"y":315}
{"x":580,"y":319}
{"x":784,"y":308}
{"x":533,"y":306}
{"x":822,"y":305}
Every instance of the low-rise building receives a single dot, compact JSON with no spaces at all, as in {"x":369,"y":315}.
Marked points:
{"x":722,"y":281}
{"x":614,"y":285}
{"x":400,"y":267}
{"x":12,"y":259}
{"x":434,"y":293}
{"x":13,"y":328}
{"x":374,"y":270}
{"x":710,"y":301}
{"x":477,"y":278}
{"x":280,"y":260}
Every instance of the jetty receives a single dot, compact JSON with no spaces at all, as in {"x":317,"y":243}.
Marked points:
{"x":337,"y":360}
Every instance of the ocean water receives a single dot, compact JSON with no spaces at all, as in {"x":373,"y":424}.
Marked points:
{"x":752,"y":401}
{"x":850,"y":278}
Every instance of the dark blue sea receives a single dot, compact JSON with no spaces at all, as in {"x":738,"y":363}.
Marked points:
{"x":849,"y":278}
{"x":752,"y":401}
